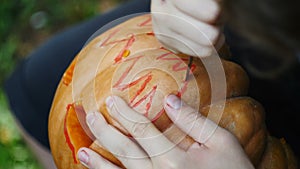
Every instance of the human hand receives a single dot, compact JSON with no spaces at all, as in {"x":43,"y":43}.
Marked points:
{"x":188,"y":26}
{"x":151,"y":149}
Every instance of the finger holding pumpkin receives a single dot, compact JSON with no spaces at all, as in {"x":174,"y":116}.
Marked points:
{"x":139,"y":127}
{"x":114,"y":141}
{"x":192,"y":122}
{"x":91,"y":159}
{"x":161,"y":153}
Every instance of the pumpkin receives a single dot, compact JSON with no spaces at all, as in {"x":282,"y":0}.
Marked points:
{"x":128,"y":61}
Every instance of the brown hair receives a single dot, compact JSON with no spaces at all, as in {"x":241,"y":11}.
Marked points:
{"x":269,"y":25}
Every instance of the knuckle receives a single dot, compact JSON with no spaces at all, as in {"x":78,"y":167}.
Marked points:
{"x":140,"y":129}
{"x":188,"y":116}
{"x":120,"y":151}
{"x":208,"y":35}
{"x":98,"y":130}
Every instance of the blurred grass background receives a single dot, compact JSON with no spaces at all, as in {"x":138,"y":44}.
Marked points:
{"x":24,"y":25}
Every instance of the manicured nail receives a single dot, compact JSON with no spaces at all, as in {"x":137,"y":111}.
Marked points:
{"x":83,"y":157}
{"x":109,"y":102}
{"x":90,"y":117}
{"x":174,"y":102}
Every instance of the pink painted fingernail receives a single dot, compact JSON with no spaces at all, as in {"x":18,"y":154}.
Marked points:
{"x":109,"y":102}
{"x":83,"y":157}
{"x":174,"y":102}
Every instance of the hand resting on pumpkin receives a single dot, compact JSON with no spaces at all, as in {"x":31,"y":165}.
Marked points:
{"x":188,"y":27}
{"x":149,"y":148}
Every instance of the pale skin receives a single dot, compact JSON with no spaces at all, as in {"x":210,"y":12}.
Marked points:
{"x":189,"y":27}
{"x":150,"y":148}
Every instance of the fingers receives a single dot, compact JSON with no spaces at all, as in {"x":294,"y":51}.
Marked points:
{"x":193,"y":123}
{"x":183,"y":32}
{"x":201,"y":33}
{"x":204,"y":10}
{"x":184,"y":45}
{"x":145,"y":133}
{"x":187,"y":27}
{"x":130,"y":154}
{"x":90,"y":159}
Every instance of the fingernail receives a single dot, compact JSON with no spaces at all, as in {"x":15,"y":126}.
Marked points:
{"x":83,"y":157}
{"x":90,"y":117}
{"x":174,"y":102}
{"x":109,"y":102}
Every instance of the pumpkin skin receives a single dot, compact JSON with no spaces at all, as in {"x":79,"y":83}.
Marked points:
{"x":277,"y":155}
{"x":128,"y":61}
{"x":244,"y":117}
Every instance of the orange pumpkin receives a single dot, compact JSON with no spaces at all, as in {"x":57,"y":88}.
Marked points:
{"x":128,"y":61}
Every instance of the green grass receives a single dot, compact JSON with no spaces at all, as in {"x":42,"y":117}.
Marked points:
{"x":13,"y":151}
{"x":18,"y":38}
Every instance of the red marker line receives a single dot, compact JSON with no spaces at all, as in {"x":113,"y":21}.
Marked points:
{"x":147,"y":22}
{"x":129,"y":43}
{"x":126,"y":72}
{"x":150,"y":95}
{"x":105,"y":42}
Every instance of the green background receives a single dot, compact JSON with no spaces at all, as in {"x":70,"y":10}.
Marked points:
{"x":24,"y":25}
